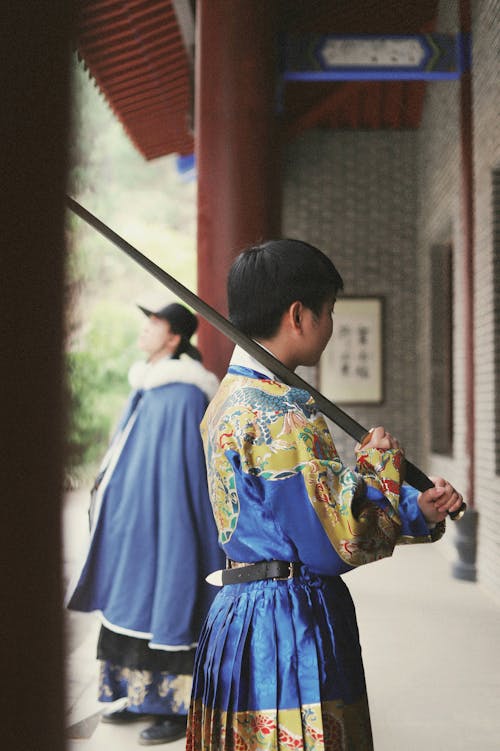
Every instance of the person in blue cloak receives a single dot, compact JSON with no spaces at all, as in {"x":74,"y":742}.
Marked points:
{"x":153,"y":536}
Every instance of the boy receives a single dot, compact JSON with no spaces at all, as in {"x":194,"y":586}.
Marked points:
{"x":279,"y":662}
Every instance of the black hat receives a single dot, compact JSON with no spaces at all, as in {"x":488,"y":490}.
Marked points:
{"x":181,"y":320}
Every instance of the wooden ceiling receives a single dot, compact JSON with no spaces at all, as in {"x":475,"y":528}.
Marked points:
{"x":137,"y":53}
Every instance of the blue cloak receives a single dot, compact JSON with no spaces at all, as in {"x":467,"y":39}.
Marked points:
{"x":154,"y":538}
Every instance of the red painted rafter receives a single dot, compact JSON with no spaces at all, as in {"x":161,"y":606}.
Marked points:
{"x":134,"y":49}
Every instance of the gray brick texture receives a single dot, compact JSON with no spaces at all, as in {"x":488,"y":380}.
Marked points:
{"x":378,"y":203}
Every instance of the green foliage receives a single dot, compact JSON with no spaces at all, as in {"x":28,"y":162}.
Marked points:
{"x":149,"y":205}
{"x":97,"y":382}
{"x":88,"y":428}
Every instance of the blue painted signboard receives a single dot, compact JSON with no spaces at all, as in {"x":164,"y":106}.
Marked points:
{"x":334,"y":57}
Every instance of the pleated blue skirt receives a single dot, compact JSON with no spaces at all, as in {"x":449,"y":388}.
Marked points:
{"x":279,"y":666}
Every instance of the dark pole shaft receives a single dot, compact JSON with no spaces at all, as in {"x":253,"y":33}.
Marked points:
{"x":414,"y":476}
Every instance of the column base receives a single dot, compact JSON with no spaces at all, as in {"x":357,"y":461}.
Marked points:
{"x":466,"y":545}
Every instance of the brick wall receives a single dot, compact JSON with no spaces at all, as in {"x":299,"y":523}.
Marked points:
{"x":439,"y":220}
{"x":378,"y":203}
{"x":486,"y":93}
{"x":353,"y":194}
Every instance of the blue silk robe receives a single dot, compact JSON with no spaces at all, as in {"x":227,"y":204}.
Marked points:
{"x":278,"y":664}
{"x":153,"y":538}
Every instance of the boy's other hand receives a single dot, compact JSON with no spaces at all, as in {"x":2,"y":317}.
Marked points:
{"x":436,"y":502}
{"x":378,"y":438}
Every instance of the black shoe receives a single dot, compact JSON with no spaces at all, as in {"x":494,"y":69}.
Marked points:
{"x":163,"y":731}
{"x":123,"y":716}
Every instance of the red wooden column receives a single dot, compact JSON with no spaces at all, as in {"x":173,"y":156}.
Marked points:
{"x":467,"y":156}
{"x":235,"y":126}
{"x":466,"y":530}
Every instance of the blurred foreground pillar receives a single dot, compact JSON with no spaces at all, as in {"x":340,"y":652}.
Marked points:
{"x":236,"y":150}
{"x":33,"y":135}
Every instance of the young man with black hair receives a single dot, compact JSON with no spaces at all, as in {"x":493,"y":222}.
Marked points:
{"x":279,"y":661}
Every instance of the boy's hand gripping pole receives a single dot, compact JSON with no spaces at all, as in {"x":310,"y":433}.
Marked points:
{"x":413,"y":475}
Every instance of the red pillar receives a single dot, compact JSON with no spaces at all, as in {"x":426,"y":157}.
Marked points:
{"x":467,"y":155}
{"x":466,"y":530}
{"x":235,"y":126}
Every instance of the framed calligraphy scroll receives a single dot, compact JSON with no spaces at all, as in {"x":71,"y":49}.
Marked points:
{"x":351,"y":367}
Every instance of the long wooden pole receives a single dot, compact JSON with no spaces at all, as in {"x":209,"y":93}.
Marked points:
{"x":414,"y":475}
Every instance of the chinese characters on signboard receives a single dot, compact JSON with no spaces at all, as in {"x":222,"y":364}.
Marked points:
{"x":351,"y":365}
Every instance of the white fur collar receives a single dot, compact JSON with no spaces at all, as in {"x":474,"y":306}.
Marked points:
{"x":143,"y":375}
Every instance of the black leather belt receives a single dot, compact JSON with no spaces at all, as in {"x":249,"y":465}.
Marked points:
{"x":237,"y":573}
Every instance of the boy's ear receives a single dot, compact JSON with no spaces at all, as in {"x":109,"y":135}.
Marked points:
{"x":295,"y":313}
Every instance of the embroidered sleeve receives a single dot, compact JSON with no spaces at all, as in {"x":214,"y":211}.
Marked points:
{"x":278,"y":437}
{"x":280,"y":445}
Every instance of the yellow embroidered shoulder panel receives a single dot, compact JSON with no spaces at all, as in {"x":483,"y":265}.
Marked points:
{"x":277,"y":432}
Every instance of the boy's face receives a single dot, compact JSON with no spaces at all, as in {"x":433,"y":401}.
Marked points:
{"x":318,"y":331}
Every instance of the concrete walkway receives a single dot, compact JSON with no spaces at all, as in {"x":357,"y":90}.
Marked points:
{"x":431,"y":652}
{"x":430,"y":644}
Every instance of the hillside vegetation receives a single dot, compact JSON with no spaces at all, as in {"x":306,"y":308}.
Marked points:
{"x":154,"y":208}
